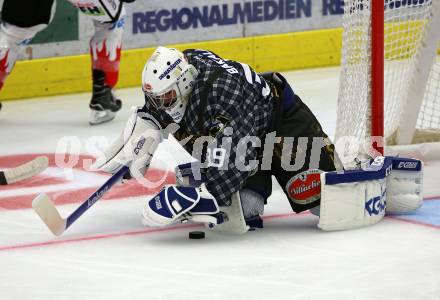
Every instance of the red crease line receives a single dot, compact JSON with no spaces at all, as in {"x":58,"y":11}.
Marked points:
{"x":121,"y":234}
{"x":414,"y":222}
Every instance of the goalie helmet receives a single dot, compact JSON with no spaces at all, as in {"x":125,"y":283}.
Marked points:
{"x":167,"y":81}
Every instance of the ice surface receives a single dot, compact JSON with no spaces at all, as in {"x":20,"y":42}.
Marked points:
{"x":108,"y":254}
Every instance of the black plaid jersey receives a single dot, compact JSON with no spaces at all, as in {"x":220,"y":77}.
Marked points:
{"x":229,"y":103}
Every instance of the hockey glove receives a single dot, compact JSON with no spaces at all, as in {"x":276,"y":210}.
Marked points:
{"x":175,"y":203}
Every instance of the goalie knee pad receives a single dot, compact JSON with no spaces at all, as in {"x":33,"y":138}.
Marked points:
{"x":252,"y":203}
{"x":243,"y":213}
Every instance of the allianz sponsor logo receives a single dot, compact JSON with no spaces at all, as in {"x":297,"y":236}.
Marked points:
{"x":407,"y":165}
{"x":170,"y":68}
{"x":183,"y":18}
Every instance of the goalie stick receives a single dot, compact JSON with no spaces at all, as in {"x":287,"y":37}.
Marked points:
{"x":24,"y":171}
{"x":47,"y":211}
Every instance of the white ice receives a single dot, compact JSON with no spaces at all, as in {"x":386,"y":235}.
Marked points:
{"x":108,"y":254}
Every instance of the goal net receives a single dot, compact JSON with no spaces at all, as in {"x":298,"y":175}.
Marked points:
{"x":390,"y":73}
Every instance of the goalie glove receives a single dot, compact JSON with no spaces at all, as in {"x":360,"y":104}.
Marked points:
{"x":174,"y":203}
{"x":134,"y":147}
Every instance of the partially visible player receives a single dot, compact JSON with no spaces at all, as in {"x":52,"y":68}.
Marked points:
{"x":22,"y":20}
{"x":236,"y":111}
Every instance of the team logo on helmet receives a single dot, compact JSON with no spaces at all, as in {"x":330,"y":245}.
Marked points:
{"x":170,"y":68}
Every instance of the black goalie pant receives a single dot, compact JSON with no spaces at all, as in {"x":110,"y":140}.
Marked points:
{"x":299,"y":121}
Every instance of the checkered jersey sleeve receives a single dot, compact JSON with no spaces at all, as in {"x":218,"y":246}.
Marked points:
{"x":232,"y":124}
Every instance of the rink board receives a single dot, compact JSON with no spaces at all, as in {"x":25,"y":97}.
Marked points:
{"x":71,"y":74}
{"x":108,"y":254}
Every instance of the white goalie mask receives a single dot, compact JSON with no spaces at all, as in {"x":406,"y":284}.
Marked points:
{"x":167,"y":81}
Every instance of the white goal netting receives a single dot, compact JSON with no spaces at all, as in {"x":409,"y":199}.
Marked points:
{"x":412,"y":71}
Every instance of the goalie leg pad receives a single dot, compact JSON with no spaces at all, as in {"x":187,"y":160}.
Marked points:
{"x":357,"y":198}
{"x":404,"y":186}
{"x":352,"y":205}
{"x":354,"y":198}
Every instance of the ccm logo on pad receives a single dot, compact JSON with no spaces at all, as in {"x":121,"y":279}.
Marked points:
{"x":407,"y":165}
{"x":139,"y":145}
{"x":376,"y":205}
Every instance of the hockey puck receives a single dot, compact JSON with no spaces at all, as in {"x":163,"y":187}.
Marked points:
{"x":196,"y":235}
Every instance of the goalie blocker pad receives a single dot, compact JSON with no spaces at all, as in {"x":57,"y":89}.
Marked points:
{"x":358,"y":198}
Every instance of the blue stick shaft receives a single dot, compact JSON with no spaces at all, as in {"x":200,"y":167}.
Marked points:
{"x":95,"y":196}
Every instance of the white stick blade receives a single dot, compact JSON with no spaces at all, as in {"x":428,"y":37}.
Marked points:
{"x":49,"y":214}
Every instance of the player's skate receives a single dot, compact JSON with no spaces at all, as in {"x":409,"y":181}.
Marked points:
{"x":104,"y":104}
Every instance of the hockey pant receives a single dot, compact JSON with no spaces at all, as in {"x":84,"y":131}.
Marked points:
{"x":299,"y":129}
